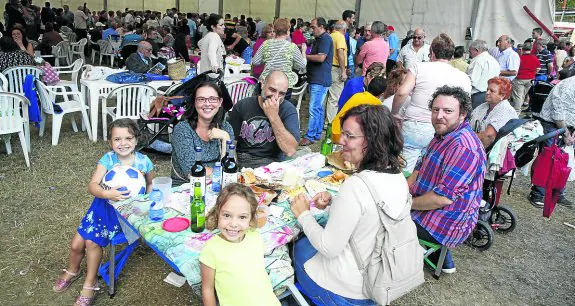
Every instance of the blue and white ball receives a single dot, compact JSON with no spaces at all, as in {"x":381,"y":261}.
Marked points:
{"x":128,"y":177}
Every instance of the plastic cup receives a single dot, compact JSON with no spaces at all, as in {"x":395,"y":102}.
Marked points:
{"x":262,"y":214}
{"x":164,"y":184}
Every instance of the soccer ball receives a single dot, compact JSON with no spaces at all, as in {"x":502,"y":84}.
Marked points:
{"x":128,"y":177}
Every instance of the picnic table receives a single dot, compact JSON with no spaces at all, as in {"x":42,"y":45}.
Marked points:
{"x":181,"y":250}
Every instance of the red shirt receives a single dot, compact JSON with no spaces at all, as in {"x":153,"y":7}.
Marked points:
{"x":528,"y":67}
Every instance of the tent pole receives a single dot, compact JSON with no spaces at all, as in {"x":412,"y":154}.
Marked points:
{"x":178,"y":5}
{"x":278,"y":6}
{"x":357,"y":10}
{"x":221,"y":8}
{"x":106,"y":5}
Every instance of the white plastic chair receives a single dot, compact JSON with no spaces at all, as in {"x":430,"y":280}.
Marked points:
{"x":13,"y":110}
{"x":3,"y":83}
{"x":47,"y":95}
{"x":61,"y":51}
{"x":74,"y":72}
{"x":131,"y":101}
{"x":233,"y":70}
{"x":16,"y":77}
{"x":299,"y":92}
{"x":106,"y":49}
{"x":78,"y":49}
{"x":239,"y":90}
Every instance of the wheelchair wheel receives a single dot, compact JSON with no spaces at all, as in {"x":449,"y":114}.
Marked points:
{"x":482,"y":236}
{"x":503,"y":218}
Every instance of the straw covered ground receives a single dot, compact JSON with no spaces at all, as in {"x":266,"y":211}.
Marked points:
{"x":41,"y":208}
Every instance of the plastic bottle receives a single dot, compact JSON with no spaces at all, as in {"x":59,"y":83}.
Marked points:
{"x":230,"y":168}
{"x":197,"y":210}
{"x":156,"y":212}
{"x":198,"y":172}
{"x":217,"y":177}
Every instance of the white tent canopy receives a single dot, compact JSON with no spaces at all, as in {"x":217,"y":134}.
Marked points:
{"x":492,"y":17}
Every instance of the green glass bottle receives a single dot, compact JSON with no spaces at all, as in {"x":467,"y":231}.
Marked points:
{"x":327,"y":144}
{"x":197,"y":210}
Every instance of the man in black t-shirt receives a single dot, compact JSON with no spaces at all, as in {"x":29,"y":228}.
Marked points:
{"x":266,"y":128}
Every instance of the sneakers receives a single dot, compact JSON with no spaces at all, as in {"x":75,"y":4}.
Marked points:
{"x":536,"y":201}
{"x":448,"y":266}
{"x":563,"y":201}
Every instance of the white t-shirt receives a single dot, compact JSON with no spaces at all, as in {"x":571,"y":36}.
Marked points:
{"x":408,"y":56}
{"x":428,"y":77}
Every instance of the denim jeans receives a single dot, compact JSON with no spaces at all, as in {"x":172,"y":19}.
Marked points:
{"x":320,"y":296}
{"x":548,"y":127}
{"x":416,"y":137}
{"x":317,"y":95}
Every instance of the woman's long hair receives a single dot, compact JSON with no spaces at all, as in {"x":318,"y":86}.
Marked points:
{"x":191,"y":113}
{"x":383,"y":137}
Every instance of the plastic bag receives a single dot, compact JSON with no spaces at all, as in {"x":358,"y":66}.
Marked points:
{"x":126,"y":77}
{"x":94,"y":73}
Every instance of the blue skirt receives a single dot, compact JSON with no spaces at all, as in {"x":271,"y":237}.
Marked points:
{"x":100,"y":224}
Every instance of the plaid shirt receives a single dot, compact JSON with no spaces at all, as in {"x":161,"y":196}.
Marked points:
{"x":454,"y":167}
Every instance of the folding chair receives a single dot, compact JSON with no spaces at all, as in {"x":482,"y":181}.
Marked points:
{"x":131,"y":101}
{"x":431,"y":248}
{"x":14,"y":108}
{"x":106,"y":49}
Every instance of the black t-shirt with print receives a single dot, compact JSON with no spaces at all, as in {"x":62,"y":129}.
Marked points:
{"x":253,"y":130}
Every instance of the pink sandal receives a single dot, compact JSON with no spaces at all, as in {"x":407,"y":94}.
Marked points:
{"x":62,"y":284}
{"x":84,"y":300}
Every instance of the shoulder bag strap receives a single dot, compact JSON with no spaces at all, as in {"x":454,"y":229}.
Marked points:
{"x":353,"y":246}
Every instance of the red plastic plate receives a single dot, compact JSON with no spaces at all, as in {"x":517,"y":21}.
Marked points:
{"x":176,"y":224}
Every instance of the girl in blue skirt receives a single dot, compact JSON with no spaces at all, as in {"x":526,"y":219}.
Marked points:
{"x":100,"y":224}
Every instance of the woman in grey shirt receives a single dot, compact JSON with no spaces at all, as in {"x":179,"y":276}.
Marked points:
{"x":203,"y":125}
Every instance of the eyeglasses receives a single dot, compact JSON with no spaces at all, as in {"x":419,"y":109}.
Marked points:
{"x":349,"y":136}
{"x":418,"y":37}
{"x":211,"y":100}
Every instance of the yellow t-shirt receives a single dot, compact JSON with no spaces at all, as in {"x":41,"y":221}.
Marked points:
{"x":338,"y":43}
{"x":241,"y":277}
{"x":359,"y":98}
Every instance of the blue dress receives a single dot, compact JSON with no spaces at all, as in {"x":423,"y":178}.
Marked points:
{"x":100,"y":224}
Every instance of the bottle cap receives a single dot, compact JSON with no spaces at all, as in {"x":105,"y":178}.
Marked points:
{"x":198,"y":149}
{"x":218,"y":164}
{"x":229,"y":142}
{"x":232,"y":147}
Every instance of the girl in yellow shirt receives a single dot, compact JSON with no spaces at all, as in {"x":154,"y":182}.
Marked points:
{"x":232,"y":262}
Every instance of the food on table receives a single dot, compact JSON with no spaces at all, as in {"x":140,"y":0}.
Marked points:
{"x":335,"y":159}
{"x":264,"y":195}
{"x":248,"y":177}
{"x":337,"y":178}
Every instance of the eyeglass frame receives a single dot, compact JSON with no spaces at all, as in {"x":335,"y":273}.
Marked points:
{"x":349,"y":136}
{"x":209,"y":100}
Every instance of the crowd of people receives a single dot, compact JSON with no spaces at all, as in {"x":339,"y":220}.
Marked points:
{"x":415,"y":105}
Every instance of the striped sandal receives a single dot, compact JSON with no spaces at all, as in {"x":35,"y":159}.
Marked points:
{"x":62,"y":284}
{"x":87,"y":301}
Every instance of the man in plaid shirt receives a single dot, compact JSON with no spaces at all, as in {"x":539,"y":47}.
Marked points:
{"x":447,"y":183}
